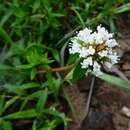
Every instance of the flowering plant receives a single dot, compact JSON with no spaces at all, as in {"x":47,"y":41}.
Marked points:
{"x":95,"y":49}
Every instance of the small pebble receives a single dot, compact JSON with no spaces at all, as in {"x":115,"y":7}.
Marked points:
{"x":126,"y":111}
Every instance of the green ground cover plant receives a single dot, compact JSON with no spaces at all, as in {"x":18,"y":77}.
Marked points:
{"x":33,"y":39}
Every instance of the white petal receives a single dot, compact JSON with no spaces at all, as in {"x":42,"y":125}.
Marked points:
{"x":84,"y":52}
{"x":97,"y":69}
{"x":91,"y":50}
{"x":87,"y":62}
{"x":111,"y":43}
{"x":108,"y":65}
{"x":103,"y":53}
{"x":75,"y":48}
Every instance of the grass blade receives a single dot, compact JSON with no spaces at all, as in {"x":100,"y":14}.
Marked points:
{"x":22,"y":114}
{"x":115,"y":81}
{"x":122,"y":9}
{"x":5,"y":36}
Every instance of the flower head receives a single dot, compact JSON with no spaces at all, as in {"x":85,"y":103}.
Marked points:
{"x":95,"y":49}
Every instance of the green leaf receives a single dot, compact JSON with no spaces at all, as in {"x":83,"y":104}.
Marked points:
{"x":2,"y":102}
{"x":23,"y":86}
{"x":33,"y":73}
{"x":5,"y":36}
{"x":22,"y":114}
{"x":72,"y":59}
{"x":36,"y":5}
{"x":36,"y":94}
{"x":79,"y":16}
{"x":23,"y":104}
{"x":10,"y":102}
{"x":20,"y":88}
{"x":18,"y":49}
{"x":18,"y":12}
{"x":122,"y":9}
{"x":34,"y":127}
{"x":66,"y":96}
{"x":58,"y":15}
{"x":69,"y":76}
{"x":14,"y":89}
{"x":41,"y":102}
{"x":7,"y":126}
{"x":112,"y":24}
{"x":56,"y":55}
{"x":5,"y":17}
{"x":115,"y":81}
{"x":57,"y":85}
{"x":53,"y":83}
{"x":37,"y":17}
{"x":78,"y":72}
{"x":16,"y":3}
{"x":5,"y":67}
{"x":55,"y":113}
{"x":129,"y":125}
{"x":46,"y":128}
{"x":26,"y":66}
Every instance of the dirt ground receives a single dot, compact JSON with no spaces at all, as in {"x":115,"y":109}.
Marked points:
{"x":108,"y":101}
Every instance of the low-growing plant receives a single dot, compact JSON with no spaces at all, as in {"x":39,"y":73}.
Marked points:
{"x":35,"y":64}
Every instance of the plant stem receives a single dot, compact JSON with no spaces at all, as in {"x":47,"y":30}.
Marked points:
{"x":60,"y":69}
{"x":89,"y":97}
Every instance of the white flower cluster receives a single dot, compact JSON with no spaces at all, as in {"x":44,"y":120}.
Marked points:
{"x":95,"y":49}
